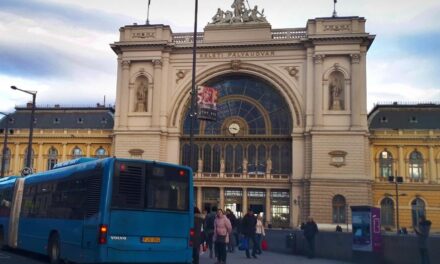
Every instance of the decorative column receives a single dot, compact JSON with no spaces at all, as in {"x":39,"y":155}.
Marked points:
{"x":431,"y":177}
{"x":157,"y":64}
{"x":318,"y":119}
{"x":17,"y":159}
{"x":222,"y":198}
{"x":39,"y":166}
{"x":268,"y":207}
{"x":309,"y":90}
{"x":124,"y":88}
{"x":164,"y":91}
{"x":88,"y":150}
{"x":199,"y":198}
{"x":401,"y":171}
{"x":64,"y":157}
{"x":356,"y":101}
{"x":245,"y":201}
{"x":118,"y":91}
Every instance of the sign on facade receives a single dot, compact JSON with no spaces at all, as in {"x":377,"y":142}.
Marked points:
{"x":207,"y":103}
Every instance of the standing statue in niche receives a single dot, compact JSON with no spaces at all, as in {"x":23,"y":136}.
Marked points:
{"x":336,"y":90}
{"x":141,"y":97}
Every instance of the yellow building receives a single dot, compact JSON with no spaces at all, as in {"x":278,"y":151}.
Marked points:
{"x":60,"y":134}
{"x":405,"y":142}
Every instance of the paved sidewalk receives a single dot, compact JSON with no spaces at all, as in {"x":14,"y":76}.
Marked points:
{"x":239,"y":257}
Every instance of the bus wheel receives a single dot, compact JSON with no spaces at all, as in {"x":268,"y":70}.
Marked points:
{"x":2,"y":238}
{"x":54,"y":249}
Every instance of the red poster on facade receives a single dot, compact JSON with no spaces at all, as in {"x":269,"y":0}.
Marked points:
{"x":207,"y":103}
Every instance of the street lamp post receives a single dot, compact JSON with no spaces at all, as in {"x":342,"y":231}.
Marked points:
{"x":31,"y":125}
{"x":396,"y":180}
{"x":193,"y":107}
{"x":5,"y":145}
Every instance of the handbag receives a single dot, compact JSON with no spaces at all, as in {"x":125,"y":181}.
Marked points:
{"x":264,"y":244}
{"x":244,"y":244}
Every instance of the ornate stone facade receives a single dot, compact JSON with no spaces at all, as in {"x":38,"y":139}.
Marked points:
{"x":278,"y":163}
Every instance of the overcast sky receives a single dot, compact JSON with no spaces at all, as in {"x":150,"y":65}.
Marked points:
{"x":60,"y":48}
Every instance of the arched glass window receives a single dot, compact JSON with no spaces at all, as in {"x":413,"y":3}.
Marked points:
{"x":101,"y":153}
{"x":186,"y":149}
{"x":339,"y":209}
{"x":25,"y":158}
{"x":52,"y":158}
{"x":216,"y":154}
{"x":207,"y":158}
{"x":252,"y":159}
{"x":238,"y":163}
{"x":416,"y":166}
{"x":276,"y":159}
{"x":417,"y":210}
{"x":386,"y":164}
{"x":77,"y":153}
{"x":7,"y":159}
{"x":387,"y":212}
{"x":286,"y":159}
{"x":261,"y":167}
{"x":229,"y":159}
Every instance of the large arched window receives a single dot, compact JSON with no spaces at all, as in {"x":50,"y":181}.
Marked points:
{"x":416,"y":166}
{"x":101,"y":153}
{"x":186,"y":150}
{"x":207,"y":162}
{"x":52,"y":158}
{"x":77,"y":153}
{"x":263,"y":118}
{"x":7,"y":160}
{"x":387,"y":212}
{"x":25,"y":158}
{"x":417,"y":210}
{"x":238,"y":163}
{"x":385,"y":164}
{"x":339,"y":209}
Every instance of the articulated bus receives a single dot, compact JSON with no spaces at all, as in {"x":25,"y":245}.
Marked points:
{"x":101,"y":211}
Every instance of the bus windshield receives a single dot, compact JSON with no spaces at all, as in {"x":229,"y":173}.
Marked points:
{"x":150,"y":186}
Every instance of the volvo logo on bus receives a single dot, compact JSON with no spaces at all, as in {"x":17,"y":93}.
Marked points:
{"x":26,"y":171}
{"x":118,"y":238}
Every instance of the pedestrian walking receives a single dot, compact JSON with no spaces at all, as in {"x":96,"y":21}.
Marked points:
{"x":197,"y":238}
{"x":422,"y":232}
{"x":338,"y":228}
{"x":222,"y":232}
{"x":248,"y":228}
{"x":310,"y":231}
{"x":259,"y":233}
{"x":233,"y":239}
{"x":208,"y":228}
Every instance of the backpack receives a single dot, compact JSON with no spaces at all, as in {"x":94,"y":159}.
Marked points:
{"x":209,"y":222}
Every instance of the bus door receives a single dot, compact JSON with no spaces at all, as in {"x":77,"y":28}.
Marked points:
{"x":15,"y":213}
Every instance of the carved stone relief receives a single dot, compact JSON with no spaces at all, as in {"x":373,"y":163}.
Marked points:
{"x":180,"y":75}
{"x":239,"y":14}
{"x":235,"y":65}
{"x":293,"y":71}
{"x":343,"y":27}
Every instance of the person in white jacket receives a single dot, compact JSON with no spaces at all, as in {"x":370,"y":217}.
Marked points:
{"x":259,"y":233}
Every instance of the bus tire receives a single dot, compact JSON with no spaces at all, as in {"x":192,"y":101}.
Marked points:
{"x":53,"y":250}
{"x":2,"y":238}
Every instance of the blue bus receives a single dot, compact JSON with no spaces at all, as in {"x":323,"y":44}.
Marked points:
{"x":101,"y":211}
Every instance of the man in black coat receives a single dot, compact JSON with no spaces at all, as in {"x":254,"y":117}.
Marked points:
{"x":248,"y":229}
{"x":422,"y":232}
{"x":310,"y":230}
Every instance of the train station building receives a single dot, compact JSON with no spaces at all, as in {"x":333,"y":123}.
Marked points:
{"x":292,"y":137}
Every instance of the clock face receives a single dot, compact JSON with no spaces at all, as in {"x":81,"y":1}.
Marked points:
{"x":234,"y":128}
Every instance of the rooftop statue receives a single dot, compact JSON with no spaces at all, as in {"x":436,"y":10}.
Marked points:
{"x":240,"y":14}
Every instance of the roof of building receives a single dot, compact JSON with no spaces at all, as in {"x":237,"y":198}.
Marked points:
{"x":405,"y":116}
{"x":57,"y":117}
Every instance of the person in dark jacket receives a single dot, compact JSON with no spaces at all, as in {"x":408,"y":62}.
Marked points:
{"x":310,"y":231}
{"x":422,"y":232}
{"x":208,"y":227}
{"x":248,"y":229}
{"x":197,"y":238}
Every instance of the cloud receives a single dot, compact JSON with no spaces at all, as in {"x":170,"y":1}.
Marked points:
{"x":67,"y":14}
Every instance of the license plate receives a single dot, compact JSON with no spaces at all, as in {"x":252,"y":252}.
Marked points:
{"x":150,"y":239}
